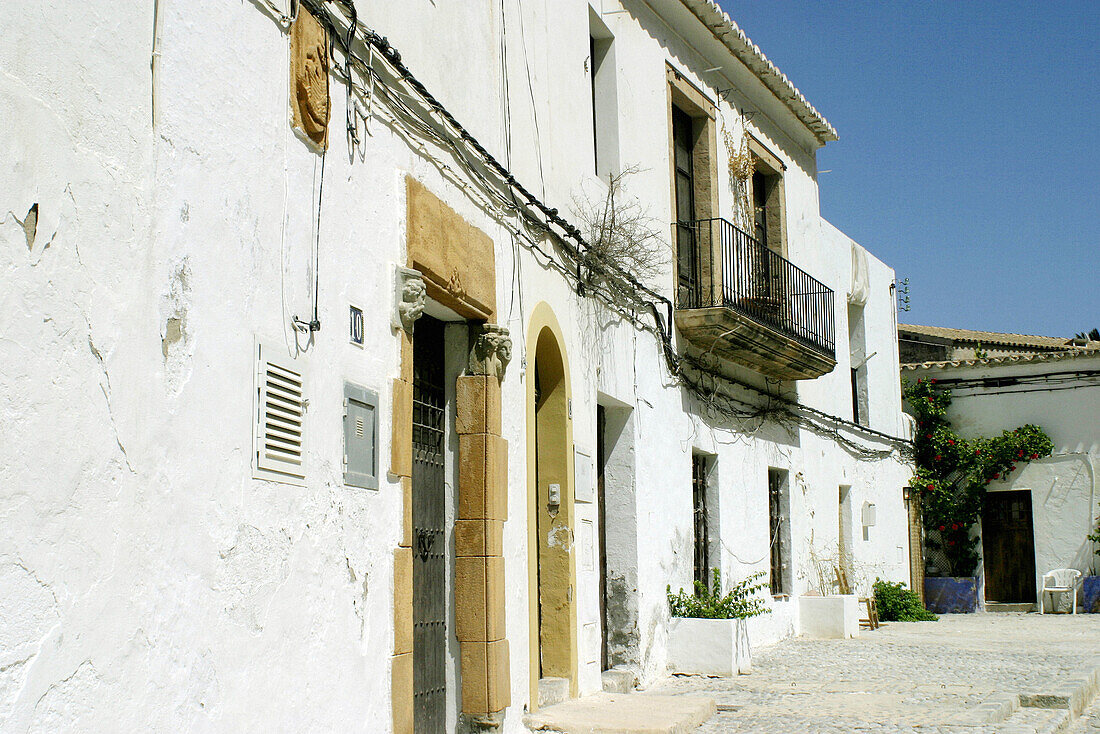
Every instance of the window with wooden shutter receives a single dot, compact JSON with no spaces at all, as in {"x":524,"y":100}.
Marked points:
{"x":280,"y":416}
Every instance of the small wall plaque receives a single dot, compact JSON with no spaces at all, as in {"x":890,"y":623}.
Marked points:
{"x":585,"y":477}
{"x":356,"y":326}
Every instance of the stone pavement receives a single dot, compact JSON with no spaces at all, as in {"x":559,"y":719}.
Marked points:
{"x":636,"y":713}
{"x":924,"y":676}
{"x":1089,"y":723}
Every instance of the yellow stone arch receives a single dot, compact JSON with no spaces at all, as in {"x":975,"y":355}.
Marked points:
{"x":551,"y":561}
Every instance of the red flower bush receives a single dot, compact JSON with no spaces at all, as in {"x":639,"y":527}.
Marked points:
{"x":954,"y":480}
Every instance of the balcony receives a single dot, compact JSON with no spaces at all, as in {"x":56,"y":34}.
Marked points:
{"x":741,"y":301}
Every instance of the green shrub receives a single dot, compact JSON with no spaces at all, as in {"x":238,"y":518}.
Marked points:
{"x":898,"y":604}
{"x":741,"y":602}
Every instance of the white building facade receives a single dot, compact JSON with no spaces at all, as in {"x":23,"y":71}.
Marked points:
{"x":1054,"y":499}
{"x":321,"y":415}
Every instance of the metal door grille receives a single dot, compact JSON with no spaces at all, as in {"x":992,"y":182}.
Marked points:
{"x":702,"y":536}
{"x":775,"y":521}
{"x":429,"y":571}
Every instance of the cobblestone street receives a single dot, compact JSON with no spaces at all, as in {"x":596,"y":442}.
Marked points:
{"x":1089,"y":723}
{"x":926,"y":676}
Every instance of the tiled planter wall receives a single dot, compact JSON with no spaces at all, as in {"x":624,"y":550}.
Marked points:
{"x":951,"y":594}
{"x":1090,"y":590}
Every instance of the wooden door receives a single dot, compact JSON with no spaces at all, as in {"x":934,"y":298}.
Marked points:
{"x":1008,"y":547}
{"x":686,"y":227}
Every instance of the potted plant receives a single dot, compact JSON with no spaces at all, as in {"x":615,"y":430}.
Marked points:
{"x":707,"y":634}
{"x":1090,"y":586}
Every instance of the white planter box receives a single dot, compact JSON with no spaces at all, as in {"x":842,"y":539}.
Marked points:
{"x":829,"y":617}
{"x":709,"y":646}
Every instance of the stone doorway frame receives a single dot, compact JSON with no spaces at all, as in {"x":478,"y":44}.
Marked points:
{"x":544,"y":324}
{"x":453,"y":262}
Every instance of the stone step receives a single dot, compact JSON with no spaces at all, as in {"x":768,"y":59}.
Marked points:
{"x":1036,"y":721}
{"x":1000,"y":606}
{"x":619,"y":680}
{"x":552,"y":691}
{"x":632,"y":713}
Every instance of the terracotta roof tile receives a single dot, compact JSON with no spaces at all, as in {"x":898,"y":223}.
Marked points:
{"x":987,"y":337}
{"x":1014,"y":359}
{"x":723,"y":27}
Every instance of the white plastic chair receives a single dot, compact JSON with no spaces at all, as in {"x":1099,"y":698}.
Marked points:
{"x":1060,"y":579}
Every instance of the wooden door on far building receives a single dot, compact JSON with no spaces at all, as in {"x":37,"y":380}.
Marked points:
{"x":1008,"y":547}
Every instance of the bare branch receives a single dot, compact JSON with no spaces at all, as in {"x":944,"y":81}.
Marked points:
{"x":622,"y":239}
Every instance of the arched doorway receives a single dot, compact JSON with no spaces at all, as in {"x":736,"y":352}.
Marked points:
{"x":550,"y":512}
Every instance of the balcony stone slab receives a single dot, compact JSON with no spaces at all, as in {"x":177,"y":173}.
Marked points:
{"x":741,"y":339}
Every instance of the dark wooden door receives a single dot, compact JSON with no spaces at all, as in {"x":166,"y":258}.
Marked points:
{"x":428,"y":518}
{"x":760,"y":209}
{"x":683,"y":147}
{"x":1008,"y":547}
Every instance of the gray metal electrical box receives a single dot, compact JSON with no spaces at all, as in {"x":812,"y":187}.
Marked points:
{"x":360,"y":437}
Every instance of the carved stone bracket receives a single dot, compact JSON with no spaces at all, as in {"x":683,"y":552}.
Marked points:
{"x":490,"y":350}
{"x":480,"y":723}
{"x":410,"y":296}
{"x":309,"y":100}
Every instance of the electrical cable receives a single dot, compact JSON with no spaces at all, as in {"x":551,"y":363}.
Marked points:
{"x":314,"y":325}
{"x":623,"y":293}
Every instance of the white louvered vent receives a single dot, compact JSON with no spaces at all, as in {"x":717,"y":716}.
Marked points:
{"x":280,"y":416}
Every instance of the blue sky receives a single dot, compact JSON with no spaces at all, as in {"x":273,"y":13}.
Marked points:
{"x":968,"y":158}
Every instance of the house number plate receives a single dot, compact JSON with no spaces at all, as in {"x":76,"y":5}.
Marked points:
{"x":356,"y":326}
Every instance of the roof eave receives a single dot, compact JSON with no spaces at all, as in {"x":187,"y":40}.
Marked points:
{"x":731,"y":35}
{"x":1000,"y":361}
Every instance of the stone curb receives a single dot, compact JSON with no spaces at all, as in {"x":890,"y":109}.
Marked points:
{"x":1073,"y":696}
{"x":993,"y":710}
{"x":1037,"y":721}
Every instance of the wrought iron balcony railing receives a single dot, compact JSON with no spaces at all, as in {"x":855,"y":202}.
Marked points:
{"x":721,"y":265}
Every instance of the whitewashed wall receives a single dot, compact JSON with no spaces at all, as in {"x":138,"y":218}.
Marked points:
{"x":149,"y":582}
{"x":1064,"y":487}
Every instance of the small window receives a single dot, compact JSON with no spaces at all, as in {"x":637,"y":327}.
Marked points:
{"x":687,"y":256}
{"x":280,"y":416}
{"x":779,"y":531}
{"x":857,"y":417}
{"x":360,"y":437}
{"x":769,"y":217}
{"x":605,"y":106}
{"x":859,"y":359}
{"x":700,"y":519}
{"x":694,"y":170}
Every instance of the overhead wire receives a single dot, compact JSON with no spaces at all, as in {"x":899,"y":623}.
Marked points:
{"x":537,"y":222}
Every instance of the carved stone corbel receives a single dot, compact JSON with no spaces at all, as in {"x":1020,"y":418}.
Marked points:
{"x":309,"y":100}
{"x":410,"y":297}
{"x":480,"y":723}
{"x":490,"y":350}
